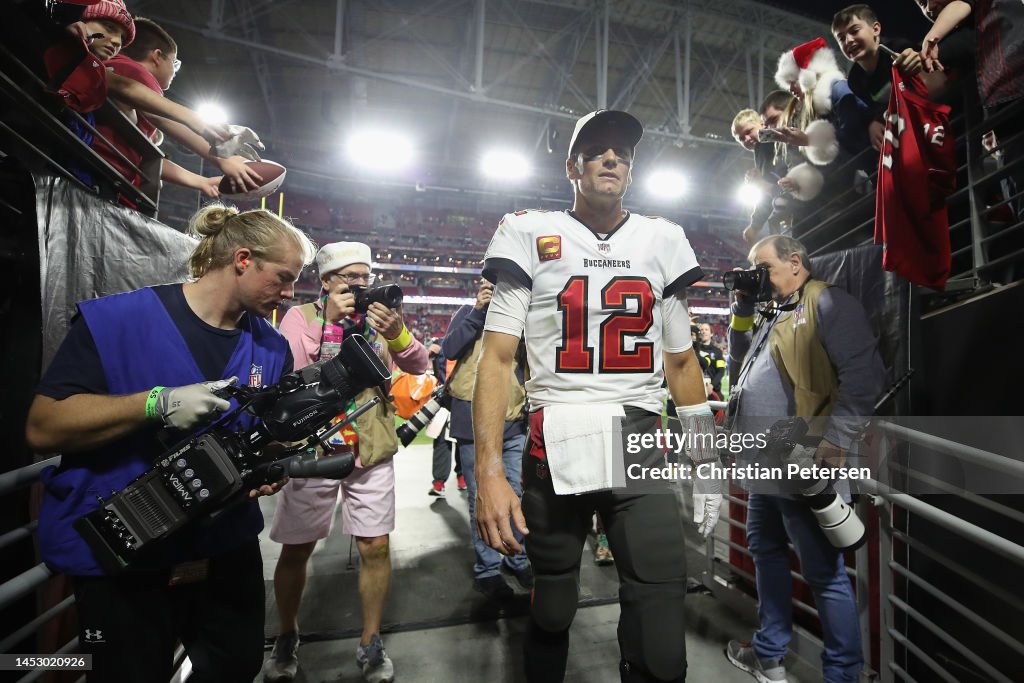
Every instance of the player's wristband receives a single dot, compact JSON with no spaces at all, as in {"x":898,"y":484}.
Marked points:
{"x":151,"y":403}
{"x":683,"y":412}
{"x":400,"y":342}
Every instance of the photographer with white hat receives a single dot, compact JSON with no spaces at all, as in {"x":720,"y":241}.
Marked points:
{"x":305,"y":511}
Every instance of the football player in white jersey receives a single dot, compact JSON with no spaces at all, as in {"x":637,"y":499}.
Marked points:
{"x":600,"y":295}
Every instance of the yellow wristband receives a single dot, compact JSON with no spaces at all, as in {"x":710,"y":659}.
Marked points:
{"x":400,"y":342}
{"x":742,"y":323}
{"x":151,"y":403}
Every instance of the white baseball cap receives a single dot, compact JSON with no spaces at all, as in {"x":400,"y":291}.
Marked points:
{"x":337,"y":255}
{"x":607,"y":120}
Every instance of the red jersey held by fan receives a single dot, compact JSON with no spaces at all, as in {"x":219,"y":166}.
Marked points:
{"x":916,"y":172}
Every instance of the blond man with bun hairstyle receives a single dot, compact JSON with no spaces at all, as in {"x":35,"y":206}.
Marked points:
{"x":140,"y":363}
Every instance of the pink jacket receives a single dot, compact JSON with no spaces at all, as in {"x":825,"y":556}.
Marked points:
{"x":304,"y":339}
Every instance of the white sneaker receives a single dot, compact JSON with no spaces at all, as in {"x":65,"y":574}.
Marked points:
{"x":743,"y":656}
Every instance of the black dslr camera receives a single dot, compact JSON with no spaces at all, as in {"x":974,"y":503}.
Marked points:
{"x":753,"y":282}
{"x":209,"y":471}
{"x":414,"y":425}
{"x":837,"y":520}
{"x":388,"y":294}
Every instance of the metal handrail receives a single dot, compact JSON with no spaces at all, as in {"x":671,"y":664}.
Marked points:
{"x":949,"y":563}
{"x":922,"y":655}
{"x":972,"y":532}
{"x":23,"y":584}
{"x":958,"y":607}
{"x":942,"y":445}
{"x":24,"y":476}
{"x":32,"y":626}
{"x":980,"y":501}
{"x":949,"y":640}
{"x":14,"y":535}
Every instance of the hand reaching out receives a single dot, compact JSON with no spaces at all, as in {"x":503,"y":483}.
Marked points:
{"x":930,"y":55}
{"x":240,"y":175}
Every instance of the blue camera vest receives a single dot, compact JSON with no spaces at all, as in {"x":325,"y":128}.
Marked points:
{"x":140,"y":347}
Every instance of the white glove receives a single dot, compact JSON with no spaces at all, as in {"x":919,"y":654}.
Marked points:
{"x":243,"y":142}
{"x":185,"y":407}
{"x":707,"y":504}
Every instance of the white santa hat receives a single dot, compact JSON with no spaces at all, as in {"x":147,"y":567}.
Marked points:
{"x":813,"y":67}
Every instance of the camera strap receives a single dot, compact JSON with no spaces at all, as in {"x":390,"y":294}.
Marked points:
{"x":769,"y":316}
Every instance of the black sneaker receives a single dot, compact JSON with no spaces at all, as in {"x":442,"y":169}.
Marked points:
{"x":493,"y":587}
{"x":284,"y":659}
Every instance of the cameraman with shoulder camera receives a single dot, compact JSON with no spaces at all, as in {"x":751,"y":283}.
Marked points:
{"x":463,"y":342}
{"x":809,"y":353}
{"x":134,"y":362}
{"x":305,"y":512}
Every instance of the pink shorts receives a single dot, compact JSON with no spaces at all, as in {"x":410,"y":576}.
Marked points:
{"x":305,"y":507}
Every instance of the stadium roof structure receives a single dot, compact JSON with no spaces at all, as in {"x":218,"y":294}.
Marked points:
{"x":461,"y":76}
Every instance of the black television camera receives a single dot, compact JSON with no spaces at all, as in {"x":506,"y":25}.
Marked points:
{"x":388,"y":294}
{"x":837,"y":520}
{"x":207,"y":472}
{"x":753,"y":282}
{"x":438,"y":399}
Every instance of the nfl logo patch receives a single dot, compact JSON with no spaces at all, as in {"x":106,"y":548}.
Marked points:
{"x":604,"y":247}
{"x":798,"y":315}
{"x":549,"y":248}
{"x":255,"y":375}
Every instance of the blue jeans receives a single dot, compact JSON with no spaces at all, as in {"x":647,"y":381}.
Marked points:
{"x":488,"y":560}
{"x":771,"y":520}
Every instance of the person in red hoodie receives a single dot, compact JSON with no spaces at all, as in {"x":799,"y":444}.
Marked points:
{"x":75,"y":66}
{"x":152,"y":60}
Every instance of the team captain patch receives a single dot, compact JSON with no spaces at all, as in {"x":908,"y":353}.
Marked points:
{"x":549,"y":248}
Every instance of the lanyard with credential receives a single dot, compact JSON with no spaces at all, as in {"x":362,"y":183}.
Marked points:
{"x":770,"y":316}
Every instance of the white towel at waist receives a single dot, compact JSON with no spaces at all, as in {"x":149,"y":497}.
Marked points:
{"x":579,"y":441}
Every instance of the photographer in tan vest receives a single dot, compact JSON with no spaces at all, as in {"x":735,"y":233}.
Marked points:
{"x":808,"y":352}
{"x":462,"y":342}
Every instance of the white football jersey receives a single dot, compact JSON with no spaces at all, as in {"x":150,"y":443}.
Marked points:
{"x":593,"y":327}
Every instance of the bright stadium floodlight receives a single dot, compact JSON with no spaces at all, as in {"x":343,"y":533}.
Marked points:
{"x":212,"y":113}
{"x":666,"y":184}
{"x":505,"y":163}
{"x":748,"y":194}
{"x":380,"y":149}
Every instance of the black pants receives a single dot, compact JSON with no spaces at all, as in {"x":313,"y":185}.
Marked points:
{"x":442,"y":465}
{"x":645,"y":533}
{"x":131,"y":624}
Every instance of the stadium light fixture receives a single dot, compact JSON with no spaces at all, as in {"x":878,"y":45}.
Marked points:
{"x":381,"y":149}
{"x":748,"y":194}
{"x":212,"y":113}
{"x":505,"y":163}
{"x":667,"y":184}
